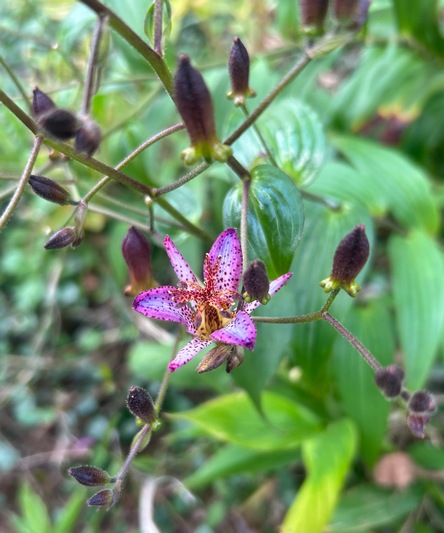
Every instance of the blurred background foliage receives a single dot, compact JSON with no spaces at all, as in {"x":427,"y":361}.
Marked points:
{"x":359,"y":128}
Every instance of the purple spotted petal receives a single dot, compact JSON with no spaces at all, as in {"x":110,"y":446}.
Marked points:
{"x":240,"y":331}
{"x":187,"y":353}
{"x":181,"y":267}
{"x":157,"y":303}
{"x":275,"y":285}
{"x":227,"y":246}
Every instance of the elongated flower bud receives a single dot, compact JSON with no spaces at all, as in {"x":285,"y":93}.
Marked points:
{"x":104,"y":498}
{"x":214,"y":358}
{"x":50,"y":190}
{"x":350,"y":257}
{"x":141,"y":405}
{"x":88,"y":137}
{"x":256,"y":283}
{"x":136,"y":251}
{"x":61,"y":239}
{"x":41,"y":103}
{"x":313,"y":13}
{"x":88,"y":475}
{"x":194,"y":103}
{"x":239,"y":71}
{"x":59,"y":123}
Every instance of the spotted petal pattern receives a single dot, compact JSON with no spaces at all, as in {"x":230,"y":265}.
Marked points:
{"x":227,"y":246}
{"x":157,"y":303}
{"x":275,"y":286}
{"x":187,"y":353}
{"x":240,"y":331}
{"x":178,"y":262}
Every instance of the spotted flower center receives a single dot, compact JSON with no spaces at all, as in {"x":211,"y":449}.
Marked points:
{"x":209,"y":320}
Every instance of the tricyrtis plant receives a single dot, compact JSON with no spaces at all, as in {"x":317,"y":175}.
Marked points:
{"x":290,"y":190}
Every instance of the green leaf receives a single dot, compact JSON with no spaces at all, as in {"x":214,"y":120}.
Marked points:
{"x":295,"y":136}
{"x":417,"y":265}
{"x":367,"y":507}
{"x":34,"y":514}
{"x":149,"y":24}
{"x":427,"y":455}
{"x":233,"y":459}
{"x":360,"y":398}
{"x":312,"y":343}
{"x":68,"y":518}
{"x":327,"y":458}
{"x":233,"y":418}
{"x":404,"y":186}
{"x":275,"y":217}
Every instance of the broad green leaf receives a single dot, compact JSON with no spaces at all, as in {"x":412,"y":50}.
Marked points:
{"x":233,"y":459}
{"x":367,"y":507}
{"x":233,"y":418}
{"x":34,"y":514}
{"x":295,"y":136}
{"x":360,"y":398}
{"x":404,"y":186}
{"x":327,"y":458}
{"x":417,"y":265}
{"x":427,"y":455}
{"x":312,"y":343}
{"x":149,"y":25}
{"x":275,"y":217}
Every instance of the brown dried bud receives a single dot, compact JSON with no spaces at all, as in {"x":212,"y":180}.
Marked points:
{"x":104,"y":498}
{"x":141,"y":405}
{"x":313,"y":13}
{"x":41,"y":103}
{"x":61,"y":239}
{"x":389,"y":380}
{"x":59,"y":123}
{"x":239,"y":71}
{"x":214,"y":358}
{"x":90,"y":476}
{"x":256,"y":283}
{"x":350,"y":257}
{"x":50,"y":190}
{"x":194,"y":103}
{"x":88,"y":137}
{"x":421,"y":403}
{"x":79,"y":222}
{"x":136,"y":251}
{"x":235,"y":359}
{"x":417,"y":424}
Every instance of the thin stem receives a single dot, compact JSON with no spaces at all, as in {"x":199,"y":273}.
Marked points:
{"x":244,"y":222}
{"x":166,"y":376}
{"x":238,"y":168}
{"x":259,"y":134}
{"x":21,"y":183}
{"x":117,"y":216}
{"x":366,"y":355}
{"x":181,"y":181}
{"x":155,"y":60}
{"x":158,"y":8}
{"x":16,"y":81}
{"x":90,"y":78}
{"x":149,"y":142}
{"x":334,"y":205}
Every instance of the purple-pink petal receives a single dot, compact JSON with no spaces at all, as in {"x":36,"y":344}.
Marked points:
{"x":187,"y":353}
{"x":240,"y":331}
{"x":158,"y":303}
{"x":178,"y":262}
{"x":227,"y":246}
{"x":275,"y":286}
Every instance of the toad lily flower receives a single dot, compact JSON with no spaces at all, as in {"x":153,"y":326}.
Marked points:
{"x":206,"y":310}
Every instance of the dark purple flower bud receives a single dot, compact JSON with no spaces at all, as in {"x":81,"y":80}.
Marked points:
{"x":104,"y":498}
{"x":346,"y":11}
{"x":141,"y":405}
{"x":389,"y":380}
{"x":239,"y":71}
{"x":417,"y":424}
{"x":88,"y":137}
{"x":61,"y":239}
{"x":421,"y":403}
{"x":50,"y":190}
{"x":90,"y":476}
{"x":136,"y":250}
{"x":350,"y":257}
{"x":256,"y":283}
{"x":313,"y":13}
{"x":59,"y":123}
{"x":41,"y":103}
{"x":194,"y":103}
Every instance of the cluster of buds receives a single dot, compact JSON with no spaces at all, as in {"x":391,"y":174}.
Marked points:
{"x":136,"y":251}
{"x":64,"y":125}
{"x":349,"y":259}
{"x":349,"y":14}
